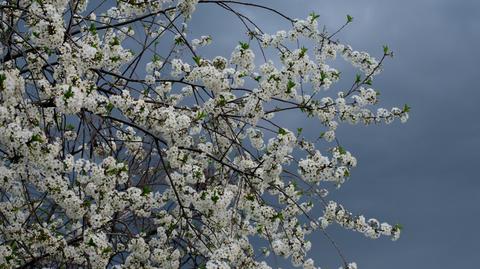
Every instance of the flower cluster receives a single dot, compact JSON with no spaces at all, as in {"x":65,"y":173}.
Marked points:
{"x":204,"y":40}
{"x":371,"y":228}
{"x":316,"y":168}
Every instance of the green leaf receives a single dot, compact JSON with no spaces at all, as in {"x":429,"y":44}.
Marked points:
{"x":244,"y":45}
{"x":91,"y":243}
{"x":215,"y":198}
{"x":36,"y":138}
{"x":342,"y":150}
{"x":349,"y":18}
{"x":385,"y":49}
{"x":260,"y":228}
{"x":48,"y":50}
{"x":398,"y":227}
{"x":242,"y":75}
{"x":86,"y":203}
{"x":70,"y":127}
{"x":93,"y":29}
{"x":115,"y":59}
{"x":146,"y":190}
{"x":156,"y":58}
{"x":299,"y":130}
{"x":323,"y":76}
{"x":197,"y":60}
{"x":278,"y":215}
{"x":313,"y":16}
{"x":290,"y":86}
{"x":109,"y":107}
{"x":184,"y":159}
{"x":358,"y":78}
{"x":201,"y":115}
{"x":107,"y":250}
{"x":2,"y":79}
{"x":111,"y":171}
{"x":69,"y":93}
{"x":146,"y":91}
{"x":303,"y":51}
{"x":406,"y":108}
{"x":282,"y":131}
{"x":222,"y":101}
{"x":115,"y":42}
{"x":179,"y":41}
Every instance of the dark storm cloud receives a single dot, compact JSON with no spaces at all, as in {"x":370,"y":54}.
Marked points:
{"x":422,"y":174}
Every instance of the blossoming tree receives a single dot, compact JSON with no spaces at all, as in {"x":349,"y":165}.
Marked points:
{"x":121,"y":146}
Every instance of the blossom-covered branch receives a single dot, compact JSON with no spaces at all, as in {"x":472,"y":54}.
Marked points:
{"x":122,"y":146}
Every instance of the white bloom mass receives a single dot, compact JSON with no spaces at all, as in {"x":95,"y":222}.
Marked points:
{"x":123,"y":145}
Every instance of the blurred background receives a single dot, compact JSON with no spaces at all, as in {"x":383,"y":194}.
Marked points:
{"x":422,"y":174}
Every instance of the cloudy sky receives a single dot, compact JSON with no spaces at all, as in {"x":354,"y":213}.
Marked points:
{"x":422,"y":174}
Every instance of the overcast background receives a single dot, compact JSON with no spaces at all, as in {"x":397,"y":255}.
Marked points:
{"x":422,"y":174}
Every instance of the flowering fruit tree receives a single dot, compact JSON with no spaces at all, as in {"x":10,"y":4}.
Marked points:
{"x":122,"y":146}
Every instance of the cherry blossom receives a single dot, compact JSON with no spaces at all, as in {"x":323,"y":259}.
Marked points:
{"x":118,"y":153}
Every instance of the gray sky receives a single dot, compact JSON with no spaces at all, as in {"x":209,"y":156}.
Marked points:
{"x":421,"y":174}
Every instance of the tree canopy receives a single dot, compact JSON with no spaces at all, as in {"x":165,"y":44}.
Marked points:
{"x":121,"y":145}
